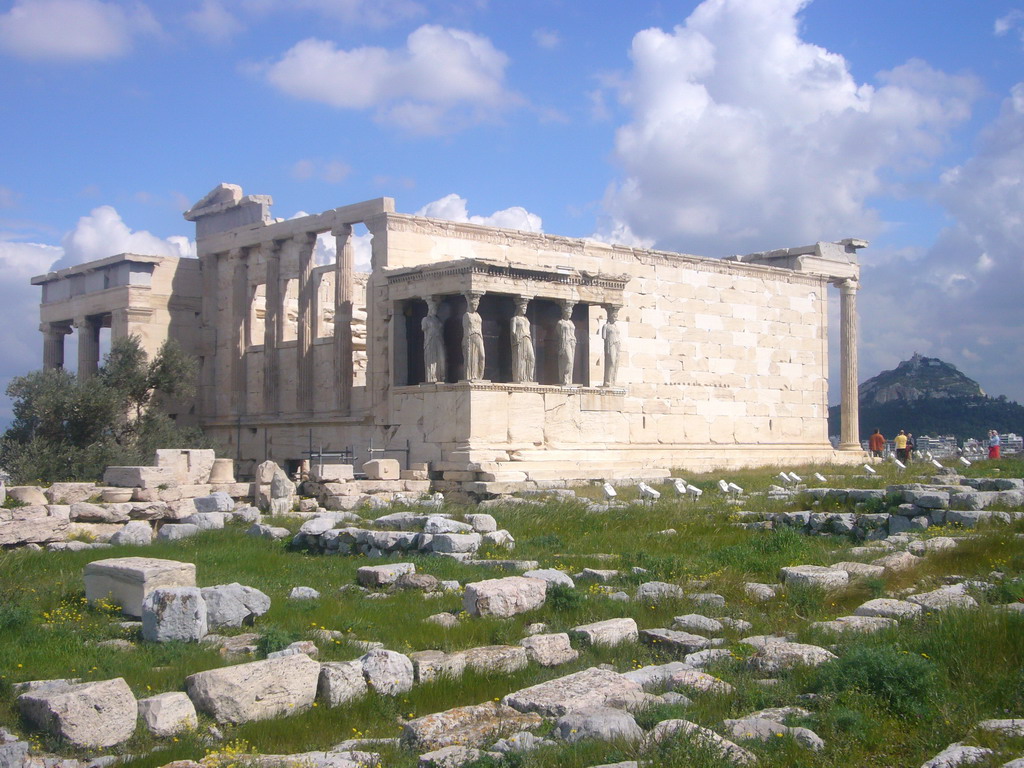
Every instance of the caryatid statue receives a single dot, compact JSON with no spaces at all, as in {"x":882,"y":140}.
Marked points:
{"x":612,"y":344}
{"x":435,"y":364}
{"x":473,"y":338}
{"x":523,"y":359}
{"x":566,"y":344}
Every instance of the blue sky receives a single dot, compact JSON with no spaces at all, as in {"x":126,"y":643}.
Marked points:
{"x":713,"y":128}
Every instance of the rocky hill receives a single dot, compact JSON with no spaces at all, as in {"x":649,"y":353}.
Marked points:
{"x":928,"y":396}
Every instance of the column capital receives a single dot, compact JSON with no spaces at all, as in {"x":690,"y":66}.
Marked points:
{"x":342,"y":230}
{"x":848,"y":285}
{"x":56,"y":329}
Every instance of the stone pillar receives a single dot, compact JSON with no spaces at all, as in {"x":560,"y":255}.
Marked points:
{"x":523,"y":356}
{"x":272,"y":314}
{"x":849,"y":409}
{"x":307,"y":311}
{"x":435,"y":356}
{"x":240,"y":314}
{"x":612,"y":346}
{"x":343,"y":298}
{"x":88,"y":346}
{"x":53,"y":344}
{"x":473,"y":338}
{"x":566,"y":344}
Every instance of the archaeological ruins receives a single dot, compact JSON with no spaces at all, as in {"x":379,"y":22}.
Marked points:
{"x":485,"y":357}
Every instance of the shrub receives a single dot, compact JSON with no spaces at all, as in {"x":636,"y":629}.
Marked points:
{"x":274,"y":638}
{"x":562,"y":597}
{"x":903,"y":681}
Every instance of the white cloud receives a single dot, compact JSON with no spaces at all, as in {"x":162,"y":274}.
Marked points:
{"x":455,"y":208}
{"x":103,"y":233}
{"x":213,"y":21}
{"x":744,"y":137}
{"x":963,"y":297}
{"x":441,"y":80}
{"x":548,"y":39}
{"x":1012,"y":20}
{"x":71,"y":29}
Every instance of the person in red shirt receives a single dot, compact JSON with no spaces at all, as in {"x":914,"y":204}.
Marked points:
{"x":876,"y":443}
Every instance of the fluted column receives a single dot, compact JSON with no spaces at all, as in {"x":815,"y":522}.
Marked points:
{"x":343,"y":297}
{"x":849,"y":409}
{"x":307,"y":309}
{"x":88,"y":346}
{"x":240,"y":313}
{"x":271,"y":325}
{"x":53,"y":344}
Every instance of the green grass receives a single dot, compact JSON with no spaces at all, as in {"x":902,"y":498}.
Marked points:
{"x":893,"y":698}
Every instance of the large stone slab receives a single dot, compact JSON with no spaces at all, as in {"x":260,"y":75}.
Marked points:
{"x":504,"y":597}
{"x":232,"y":605}
{"x":341,"y":681}
{"x":589,"y":688}
{"x":98,"y":714}
{"x":726,"y":749}
{"x":476,"y":726}
{"x":31,"y":525}
{"x":127,"y":580}
{"x":549,"y":650}
{"x":383,"y":575}
{"x":258,"y":690}
{"x":673,"y":640}
{"x":888,"y":608}
{"x":774,"y":657}
{"x":168,"y":713}
{"x":387,"y":672}
{"x":597,"y":724}
{"x":140,"y":477}
{"x":174,"y":613}
{"x":607,"y":632}
{"x":814,"y":576}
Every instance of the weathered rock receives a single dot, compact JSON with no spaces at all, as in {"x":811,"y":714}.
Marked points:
{"x":598,"y":724}
{"x":31,"y":525}
{"x":860,"y":570}
{"x":208,"y":521}
{"x":69,"y":493}
{"x":232,"y":605}
{"x":98,"y":714}
{"x":1012,"y":727}
{"x":668,"y":729}
{"x":694,"y":622}
{"x":32,"y":495}
{"x":701,"y":659}
{"x":137,"y":533}
{"x":387,"y":672}
{"x":695,"y":680}
{"x":496,"y":658}
{"x":655,"y":676}
{"x":593,"y":687}
{"x":174,"y":613}
{"x":957,"y":754}
{"x":759,"y":592}
{"x":127,"y":580}
{"x":504,"y":597}
{"x":501,"y":539}
{"x":177,"y":531}
{"x":674,"y":640}
{"x":268,"y":531}
{"x":449,"y":757}
{"x":258,"y":690}
{"x":896,"y":562}
{"x":814,"y":576}
{"x":774,"y":657}
{"x":303,"y":593}
{"x":549,"y":650}
{"x":482,"y":523}
{"x":524,"y":741}
{"x":455,"y":543}
{"x":551,"y":576}
{"x":168,"y":713}
{"x":446,"y":620}
{"x":83,"y":511}
{"x":761,"y":729}
{"x":656,"y":591}
{"x":438,"y":524}
{"x":341,"y":681}
{"x":473,"y":726}
{"x":888,"y":608}
{"x":944,"y":598}
{"x":607,"y":632}
{"x":421,"y":581}
{"x":383,"y":575}
{"x":430,"y":665}
{"x":855,"y":623}
{"x":215,"y":502}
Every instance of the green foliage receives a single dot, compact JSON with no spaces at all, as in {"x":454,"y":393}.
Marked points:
{"x":274,"y":638}
{"x":563,"y":598}
{"x":903,"y":681}
{"x":66,"y":429}
{"x":13,"y":616}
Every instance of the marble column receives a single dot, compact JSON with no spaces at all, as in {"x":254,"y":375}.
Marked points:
{"x":272,"y":314}
{"x":88,"y":346}
{"x":344,"y":267}
{"x":849,"y":408}
{"x":53,"y":344}
{"x":240,"y":318}
{"x":307,"y":311}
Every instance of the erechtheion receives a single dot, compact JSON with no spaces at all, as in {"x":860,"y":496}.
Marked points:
{"x":491,"y":356}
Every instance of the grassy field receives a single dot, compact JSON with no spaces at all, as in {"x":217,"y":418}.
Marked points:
{"x":891,"y":699}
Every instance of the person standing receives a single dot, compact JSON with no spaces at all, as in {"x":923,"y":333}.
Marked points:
{"x":901,"y":446}
{"x":993,"y":444}
{"x":911,"y":446}
{"x":876,"y":444}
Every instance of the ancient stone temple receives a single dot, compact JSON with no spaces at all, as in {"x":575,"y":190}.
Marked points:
{"x":491,"y":356}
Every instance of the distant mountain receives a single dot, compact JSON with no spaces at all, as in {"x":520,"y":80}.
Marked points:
{"x":928,"y":396}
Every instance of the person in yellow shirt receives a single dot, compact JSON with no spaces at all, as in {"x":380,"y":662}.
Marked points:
{"x":901,"y":446}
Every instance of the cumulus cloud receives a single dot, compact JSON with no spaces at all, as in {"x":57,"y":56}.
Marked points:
{"x":547,"y":39}
{"x":743,"y":136}
{"x":1014,"y":20}
{"x":443,"y":79}
{"x":455,"y":208}
{"x":213,"y":21}
{"x":71,"y":29}
{"x":961,"y":299}
{"x":103,"y":233}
